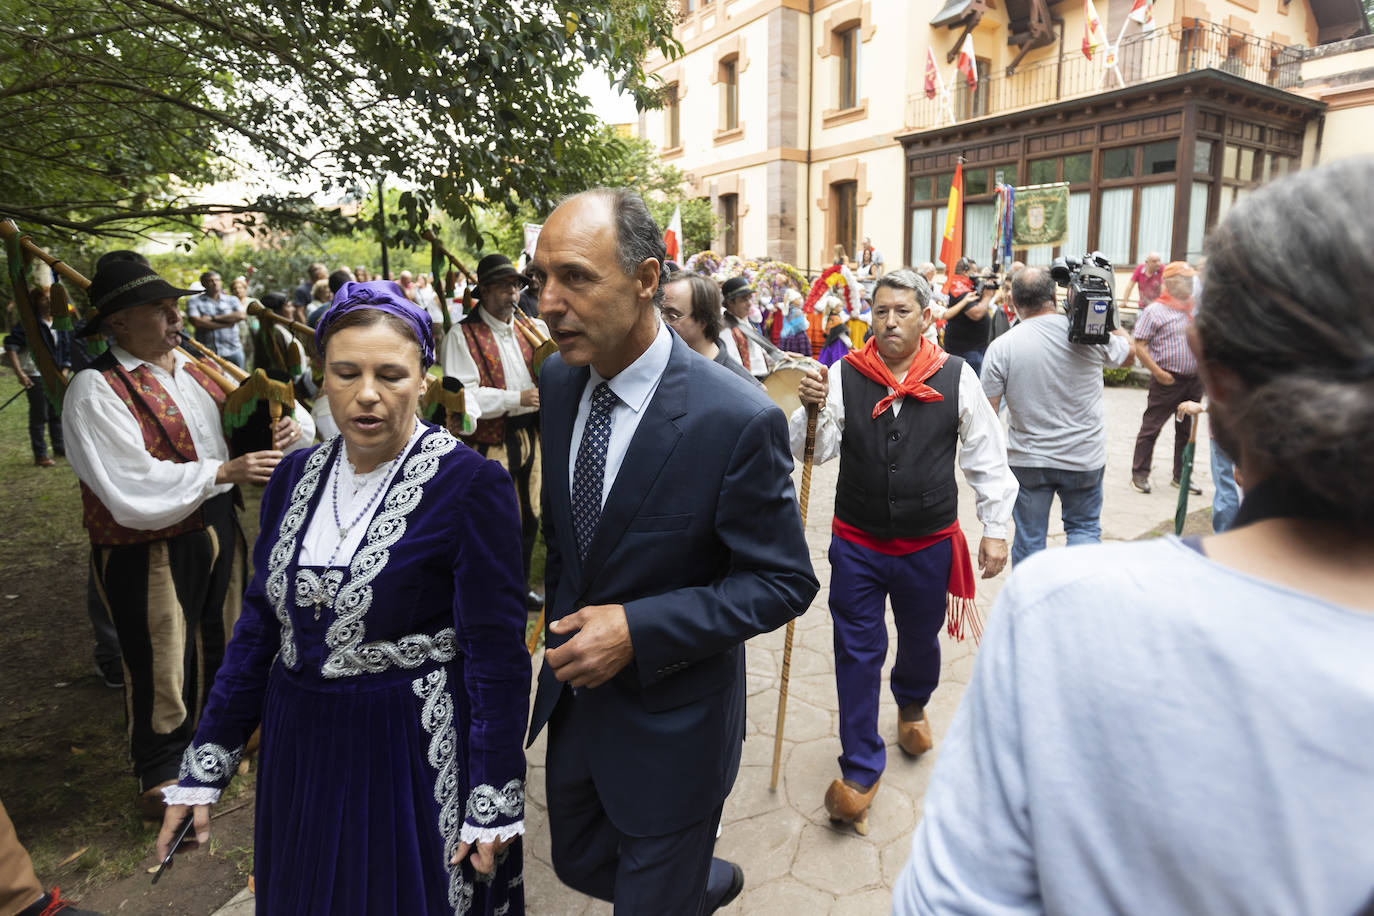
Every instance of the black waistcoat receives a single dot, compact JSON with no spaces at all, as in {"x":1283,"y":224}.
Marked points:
{"x":897,"y":473}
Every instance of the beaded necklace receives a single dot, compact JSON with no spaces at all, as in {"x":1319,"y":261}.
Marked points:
{"x":321,"y":594}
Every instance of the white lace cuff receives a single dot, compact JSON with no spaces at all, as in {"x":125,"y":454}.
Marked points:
{"x":471,"y":834}
{"x":190,"y":795}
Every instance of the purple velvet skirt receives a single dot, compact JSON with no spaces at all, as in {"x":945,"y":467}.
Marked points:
{"x":353,"y":815}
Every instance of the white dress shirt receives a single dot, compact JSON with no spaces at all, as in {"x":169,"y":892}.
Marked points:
{"x":458,"y":362}
{"x":982,"y":450}
{"x":105,"y":446}
{"x":634,"y":386}
{"x":758,"y":360}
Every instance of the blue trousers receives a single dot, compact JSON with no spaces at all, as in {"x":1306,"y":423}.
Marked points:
{"x":1080,"y":505}
{"x":861,"y":582}
{"x":671,"y":875}
{"x":1225,"y":495}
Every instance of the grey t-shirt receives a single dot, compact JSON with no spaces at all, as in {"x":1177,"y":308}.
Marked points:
{"x":1053,"y":392}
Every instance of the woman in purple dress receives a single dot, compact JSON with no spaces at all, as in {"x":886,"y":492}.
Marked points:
{"x":380,"y":648}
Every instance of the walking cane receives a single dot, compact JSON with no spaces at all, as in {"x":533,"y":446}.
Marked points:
{"x":13,"y":399}
{"x":808,"y":455}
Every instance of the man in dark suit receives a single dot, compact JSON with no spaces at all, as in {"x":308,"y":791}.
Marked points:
{"x":673,"y":536}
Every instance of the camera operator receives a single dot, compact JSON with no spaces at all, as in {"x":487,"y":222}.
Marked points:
{"x":1057,"y":442}
{"x":968,"y":319}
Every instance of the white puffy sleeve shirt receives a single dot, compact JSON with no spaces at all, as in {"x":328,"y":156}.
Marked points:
{"x":105,"y":447}
{"x":982,"y":449}
{"x":457,"y":361}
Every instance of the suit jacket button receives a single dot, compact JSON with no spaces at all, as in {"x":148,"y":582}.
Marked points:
{"x":895,"y":435}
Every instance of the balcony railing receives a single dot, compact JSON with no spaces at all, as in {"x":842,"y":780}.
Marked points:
{"x":1141,"y":58}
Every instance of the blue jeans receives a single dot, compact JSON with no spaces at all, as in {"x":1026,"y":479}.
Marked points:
{"x":1226,"y":495}
{"x":1080,"y":504}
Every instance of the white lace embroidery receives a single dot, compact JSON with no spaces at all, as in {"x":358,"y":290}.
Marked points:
{"x":348,"y":655}
{"x":284,"y":551}
{"x":209,"y":763}
{"x":487,"y":803}
{"x":471,"y":834}
{"x":190,"y":795}
{"x":311,"y":587}
{"x":436,"y":717}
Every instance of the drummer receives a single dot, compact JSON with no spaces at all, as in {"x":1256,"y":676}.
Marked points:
{"x":896,"y":530}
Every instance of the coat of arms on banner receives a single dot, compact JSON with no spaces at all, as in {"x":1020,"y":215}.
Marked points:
{"x":1040,"y":215}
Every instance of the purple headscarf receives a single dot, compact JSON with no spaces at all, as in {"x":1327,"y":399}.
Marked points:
{"x":384,"y":296}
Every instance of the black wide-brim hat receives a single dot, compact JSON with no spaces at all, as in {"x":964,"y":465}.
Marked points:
{"x":122,"y":285}
{"x":492,"y":268}
{"x":733,"y":287}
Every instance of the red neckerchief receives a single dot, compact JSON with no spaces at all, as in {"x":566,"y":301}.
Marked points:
{"x":929,"y":358}
{"x":1179,"y":306}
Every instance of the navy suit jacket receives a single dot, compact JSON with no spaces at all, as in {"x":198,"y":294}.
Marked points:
{"x":701,"y":540}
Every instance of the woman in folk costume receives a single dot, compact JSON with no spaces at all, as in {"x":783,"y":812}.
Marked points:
{"x":837,"y":340}
{"x":794,"y":338}
{"x":381,"y":649}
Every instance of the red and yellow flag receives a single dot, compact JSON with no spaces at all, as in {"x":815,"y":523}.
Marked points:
{"x":1092,"y":30}
{"x":952,"y":245}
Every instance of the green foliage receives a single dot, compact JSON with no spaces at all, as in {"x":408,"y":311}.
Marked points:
{"x":617,"y":162}
{"x":1116,"y":377}
{"x":111,"y":109}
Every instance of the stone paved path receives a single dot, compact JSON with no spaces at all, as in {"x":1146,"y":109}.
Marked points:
{"x":795,"y":862}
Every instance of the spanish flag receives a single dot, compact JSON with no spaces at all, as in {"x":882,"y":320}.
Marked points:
{"x":952,"y":246}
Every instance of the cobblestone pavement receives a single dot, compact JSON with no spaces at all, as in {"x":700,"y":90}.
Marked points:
{"x":795,"y":862}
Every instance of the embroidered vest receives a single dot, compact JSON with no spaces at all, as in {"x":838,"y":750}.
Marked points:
{"x":481,"y":341}
{"x":165,"y":435}
{"x":742,"y":344}
{"x":897,"y":473}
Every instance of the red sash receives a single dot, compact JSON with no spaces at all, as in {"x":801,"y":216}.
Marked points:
{"x":741,"y":344}
{"x":960,"y":611}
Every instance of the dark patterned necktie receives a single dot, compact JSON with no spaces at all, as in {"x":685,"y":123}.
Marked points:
{"x":589,"y":472}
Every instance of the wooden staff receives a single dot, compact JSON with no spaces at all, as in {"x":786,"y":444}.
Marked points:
{"x":209,"y":369}
{"x":429,"y":236}
{"x":9,"y":230}
{"x":233,"y":371}
{"x":303,"y":332}
{"x":533,"y":642}
{"x":808,"y":458}
{"x":53,"y":381}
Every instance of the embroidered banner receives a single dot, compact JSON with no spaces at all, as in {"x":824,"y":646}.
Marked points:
{"x":1040,"y":215}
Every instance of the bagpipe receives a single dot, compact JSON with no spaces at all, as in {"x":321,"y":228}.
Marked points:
{"x":254,"y":402}
{"x":534,"y":335}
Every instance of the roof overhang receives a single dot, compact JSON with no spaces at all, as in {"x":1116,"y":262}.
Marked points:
{"x":1194,"y":81}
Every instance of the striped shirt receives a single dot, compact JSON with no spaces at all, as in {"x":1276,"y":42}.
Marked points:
{"x":1164,"y":331}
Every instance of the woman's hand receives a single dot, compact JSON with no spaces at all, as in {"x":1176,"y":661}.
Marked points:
{"x":171,"y":823}
{"x":483,"y":854}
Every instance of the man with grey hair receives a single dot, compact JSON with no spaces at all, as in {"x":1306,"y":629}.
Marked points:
{"x":215,"y":315}
{"x":1057,"y":435}
{"x":673,"y":536}
{"x":899,"y":412}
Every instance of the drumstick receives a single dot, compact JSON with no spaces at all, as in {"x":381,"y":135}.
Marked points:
{"x":808,"y":458}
